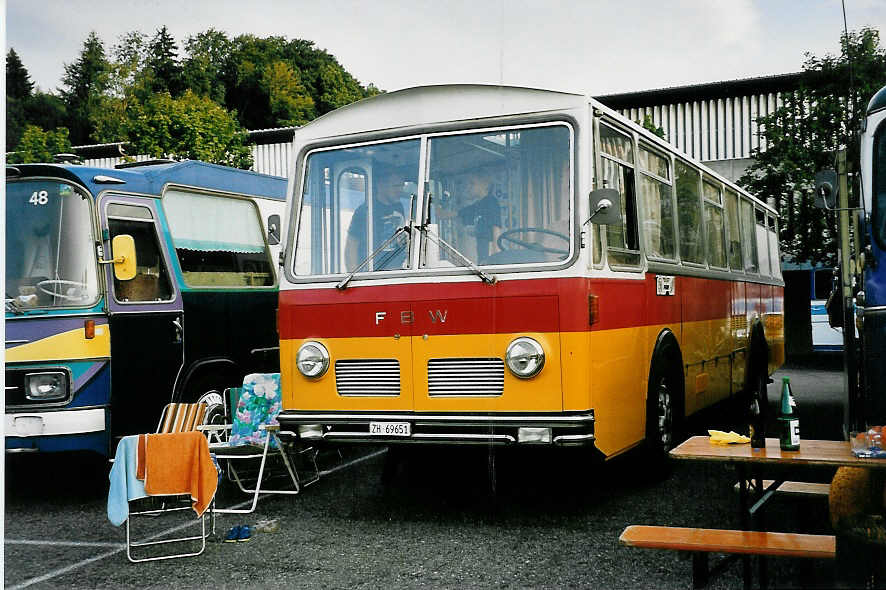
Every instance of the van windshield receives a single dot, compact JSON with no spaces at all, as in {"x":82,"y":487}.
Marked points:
{"x":879,"y":180}
{"x":50,"y":260}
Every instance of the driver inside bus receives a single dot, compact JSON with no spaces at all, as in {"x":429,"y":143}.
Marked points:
{"x":387,"y":217}
{"x":481,"y":216}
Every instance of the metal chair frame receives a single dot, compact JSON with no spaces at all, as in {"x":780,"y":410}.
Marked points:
{"x":218,"y":449}
{"x":130,"y":544}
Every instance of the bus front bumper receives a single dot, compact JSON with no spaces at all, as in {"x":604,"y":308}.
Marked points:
{"x":82,"y":429}
{"x":560,"y":429}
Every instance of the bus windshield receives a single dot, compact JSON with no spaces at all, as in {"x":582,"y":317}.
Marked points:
{"x":50,"y":260}
{"x":497,"y":197}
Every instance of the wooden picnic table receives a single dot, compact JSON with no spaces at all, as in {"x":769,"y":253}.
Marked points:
{"x":834,"y":453}
{"x":748,"y":463}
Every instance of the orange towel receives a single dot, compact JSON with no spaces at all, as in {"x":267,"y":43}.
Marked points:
{"x":180,"y":464}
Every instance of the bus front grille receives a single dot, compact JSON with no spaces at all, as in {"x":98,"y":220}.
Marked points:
{"x":466,"y":376}
{"x":368,"y":377}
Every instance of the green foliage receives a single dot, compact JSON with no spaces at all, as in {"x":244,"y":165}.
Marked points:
{"x":193,"y":106}
{"x":189,"y":127}
{"x":162,"y":64}
{"x":207,"y":55}
{"x":290,"y":103}
{"x":18,"y":81}
{"x":40,"y":146}
{"x":649,"y":125}
{"x":85,"y":81}
{"x":24,"y":106}
{"x":801,"y":137}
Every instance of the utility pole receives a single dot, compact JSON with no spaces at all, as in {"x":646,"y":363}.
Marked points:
{"x":854,"y":419}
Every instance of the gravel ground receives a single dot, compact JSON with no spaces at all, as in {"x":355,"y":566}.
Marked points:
{"x":552,"y":521}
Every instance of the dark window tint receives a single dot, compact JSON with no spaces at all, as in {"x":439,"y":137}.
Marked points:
{"x":151,"y":281}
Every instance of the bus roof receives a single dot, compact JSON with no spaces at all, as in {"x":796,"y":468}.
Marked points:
{"x":428,"y":105}
{"x":150,"y":179}
{"x":878,"y":101}
{"x":423,"y":105}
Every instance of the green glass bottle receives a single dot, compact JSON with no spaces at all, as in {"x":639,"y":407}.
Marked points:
{"x":788,"y":419}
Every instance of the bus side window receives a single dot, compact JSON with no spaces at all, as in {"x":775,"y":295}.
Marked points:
{"x":219,"y":240}
{"x":617,"y":172}
{"x":748,"y":239}
{"x":656,"y":204}
{"x":713,"y":219}
{"x":762,"y":242}
{"x":733,"y":231}
{"x":151,"y":281}
{"x":689,"y":213}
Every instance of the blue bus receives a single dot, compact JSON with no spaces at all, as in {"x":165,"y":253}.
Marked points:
{"x":871,"y":300}
{"x":129,"y":288}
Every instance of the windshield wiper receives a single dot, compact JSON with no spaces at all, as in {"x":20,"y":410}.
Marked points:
{"x":343,"y":284}
{"x":424,"y":228}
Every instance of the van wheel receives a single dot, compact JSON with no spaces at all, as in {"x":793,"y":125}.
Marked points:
{"x":662,"y":410}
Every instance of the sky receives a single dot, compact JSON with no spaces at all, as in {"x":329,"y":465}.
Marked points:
{"x":594,"y":47}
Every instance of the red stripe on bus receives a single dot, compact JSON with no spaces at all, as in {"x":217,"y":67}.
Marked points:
{"x":535,"y":305}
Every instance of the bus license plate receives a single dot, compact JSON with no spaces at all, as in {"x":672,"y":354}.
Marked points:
{"x":390,"y":429}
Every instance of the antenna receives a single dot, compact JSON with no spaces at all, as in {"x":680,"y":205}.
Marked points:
{"x":849,"y":60}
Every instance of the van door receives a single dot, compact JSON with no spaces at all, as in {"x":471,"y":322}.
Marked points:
{"x":146,"y":317}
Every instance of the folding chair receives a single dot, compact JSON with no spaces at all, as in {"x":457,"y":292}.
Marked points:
{"x":181,"y":417}
{"x":186,"y":471}
{"x":254,"y":436}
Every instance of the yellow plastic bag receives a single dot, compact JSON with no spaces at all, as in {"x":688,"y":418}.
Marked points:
{"x":718,"y":437}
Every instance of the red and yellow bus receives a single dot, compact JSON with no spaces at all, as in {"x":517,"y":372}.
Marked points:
{"x":500,"y":265}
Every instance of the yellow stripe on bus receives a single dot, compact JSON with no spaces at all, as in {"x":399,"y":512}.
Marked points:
{"x":70,"y":345}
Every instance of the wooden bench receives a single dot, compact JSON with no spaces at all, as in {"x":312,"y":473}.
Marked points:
{"x":700,"y":542}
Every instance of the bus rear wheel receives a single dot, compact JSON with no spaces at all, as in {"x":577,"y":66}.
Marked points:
{"x":662,"y":410}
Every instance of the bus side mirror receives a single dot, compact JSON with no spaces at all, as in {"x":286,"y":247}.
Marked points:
{"x":826,"y":189}
{"x":273,"y":230}
{"x":605,"y":206}
{"x":123,"y":247}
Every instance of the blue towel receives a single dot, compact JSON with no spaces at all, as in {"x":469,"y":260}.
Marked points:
{"x":125,"y":486}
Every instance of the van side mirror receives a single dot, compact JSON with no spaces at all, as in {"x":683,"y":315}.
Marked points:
{"x":123,"y":248}
{"x":826,"y":189}
{"x":605,"y":207}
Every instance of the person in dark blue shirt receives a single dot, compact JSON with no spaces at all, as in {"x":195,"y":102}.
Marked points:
{"x":387,"y":217}
{"x":483,"y":214}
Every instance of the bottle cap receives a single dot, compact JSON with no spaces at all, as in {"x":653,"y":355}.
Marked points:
{"x":785,"y":379}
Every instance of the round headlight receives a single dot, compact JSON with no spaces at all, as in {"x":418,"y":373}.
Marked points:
{"x":525,"y":357}
{"x":312,"y":359}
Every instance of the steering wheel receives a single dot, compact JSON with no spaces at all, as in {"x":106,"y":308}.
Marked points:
{"x":43,"y":286}
{"x":511,"y":236}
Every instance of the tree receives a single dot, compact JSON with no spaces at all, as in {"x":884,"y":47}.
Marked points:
{"x":85,"y":81}
{"x":288,"y":99}
{"x":190,"y":127}
{"x":40,"y":146}
{"x":18,"y":91}
{"x":207,"y":57}
{"x":161,"y":61}
{"x":801,"y":137}
{"x":18,"y":81}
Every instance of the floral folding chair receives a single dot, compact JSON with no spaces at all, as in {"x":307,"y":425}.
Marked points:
{"x":252,"y":438}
